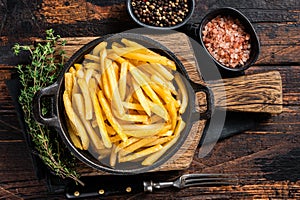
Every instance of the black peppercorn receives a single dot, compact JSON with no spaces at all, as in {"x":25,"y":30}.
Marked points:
{"x":161,"y":13}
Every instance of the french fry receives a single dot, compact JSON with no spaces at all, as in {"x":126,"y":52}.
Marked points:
{"x":155,"y":156}
{"x":69,"y":83}
{"x":76,"y":122}
{"x":130,"y":43}
{"x":98,"y":48}
{"x":123,"y":144}
{"x":140,"y":143}
{"x":167,"y":85}
{"x":133,"y":118}
{"x":160,"y":141}
{"x":109,"y":116}
{"x":99,"y":116}
{"x":141,"y":97}
{"x":127,"y":53}
{"x":80,"y":73}
{"x":163,"y":71}
{"x":133,"y":106}
{"x":113,"y":156}
{"x":115,"y":57}
{"x":123,"y":80}
{"x":78,"y":66}
{"x":95,"y":139}
{"x":92,"y":65}
{"x":141,"y":153}
{"x":183,"y":91}
{"x":159,"y":110}
{"x":116,"y":99}
{"x":88,"y":74}
{"x":92,"y":57}
{"x":87,"y":99}
{"x":74,"y":135}
{"x":104,"y":76}
{"x":139,"y":77}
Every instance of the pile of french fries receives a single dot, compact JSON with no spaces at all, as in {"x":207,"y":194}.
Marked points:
{"x":124,"y":103}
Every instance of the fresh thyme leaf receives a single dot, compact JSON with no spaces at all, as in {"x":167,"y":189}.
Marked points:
{"x":41,"y":72}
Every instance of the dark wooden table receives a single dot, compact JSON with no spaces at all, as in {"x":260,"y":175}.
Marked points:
{"x":266,"y":157}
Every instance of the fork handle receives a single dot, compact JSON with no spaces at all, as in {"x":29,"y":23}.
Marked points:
{"x":150,"y":185}
{"x":104,"y":187}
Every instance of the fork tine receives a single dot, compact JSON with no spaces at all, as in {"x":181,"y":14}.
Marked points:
{"x":207,"y":180}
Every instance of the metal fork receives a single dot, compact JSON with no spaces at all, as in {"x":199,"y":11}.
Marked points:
{"x":189,"y":180}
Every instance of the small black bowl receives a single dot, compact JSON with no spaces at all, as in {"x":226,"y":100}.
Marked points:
{"x":254,"y":41}
{"x":191,"y":7}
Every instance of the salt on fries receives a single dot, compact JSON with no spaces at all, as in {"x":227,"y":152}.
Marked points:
{"x":124,"y":103}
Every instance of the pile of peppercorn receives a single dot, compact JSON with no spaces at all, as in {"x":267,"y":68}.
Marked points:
{"x":163,"y":13}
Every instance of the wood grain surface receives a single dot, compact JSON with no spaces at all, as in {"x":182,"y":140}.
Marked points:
{"x":266,"y":158}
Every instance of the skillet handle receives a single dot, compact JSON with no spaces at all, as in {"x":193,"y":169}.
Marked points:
{"x":48,"y":92}
{"x":209,"y":100}
{"x":259,"y":93}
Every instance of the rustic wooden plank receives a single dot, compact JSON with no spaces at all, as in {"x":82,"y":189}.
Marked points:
{"x":256,"y":11}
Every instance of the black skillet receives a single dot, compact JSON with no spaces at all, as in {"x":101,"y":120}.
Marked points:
{"x":57,"y":118}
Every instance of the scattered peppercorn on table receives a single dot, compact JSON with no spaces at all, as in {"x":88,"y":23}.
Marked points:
{"x":265,"y":158}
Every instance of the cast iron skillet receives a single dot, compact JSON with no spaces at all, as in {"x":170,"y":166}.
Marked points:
{"x":57,"y":118}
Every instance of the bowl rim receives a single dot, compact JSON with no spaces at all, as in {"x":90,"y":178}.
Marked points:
{"x":245,"y":21}
{"x":189,"y":15}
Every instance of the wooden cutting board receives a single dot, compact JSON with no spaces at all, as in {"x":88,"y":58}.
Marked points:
{"x":253,"y":93}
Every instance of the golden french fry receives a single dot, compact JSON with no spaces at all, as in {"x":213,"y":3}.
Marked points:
{"x":123,"y":144}
{"x":69,"y":83}
{"x":115,"y":139}
{"x":92,"y":57}
{"x":74,"y":136}
{"x":109,"y":115}
{"x":131,"y":148}
{"x":76,"y":122}
{"x":155,"y":156}
{"x":142,"y":133}
{"x":80,"y":73}
{"x":87,"y":99}
{"x":159,"y":110}
{"x":113,"y":156}
{"x":139,"y":77}
{"x":162,"y":71}
{"x":99,"y":118}
{"x":130,"y":43}
{"x":92,"y":65}
{"x":141,"y":153}
{"x":167,"y":85}
{"x":98,"y":48}
{"x":151,"y":58}
{"x":141,"y":97}
{"x":95,"y":139}
{"x":183,"y":91}
{"x":164,"y":94}
{"x":115,"y":57}
{"x":77,"y":66}
{"x":123,"y":80}
{"x":116,"y":99}
{"x":88,"y":74}
{"x":160,"y":141}
{"x":104,"y":75}
{"x":133,"y":106}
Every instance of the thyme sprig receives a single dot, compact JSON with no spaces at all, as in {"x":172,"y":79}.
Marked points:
{"x":46,"y":63}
